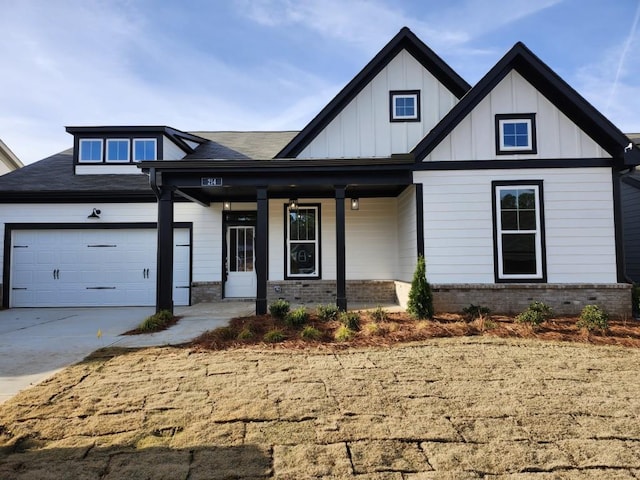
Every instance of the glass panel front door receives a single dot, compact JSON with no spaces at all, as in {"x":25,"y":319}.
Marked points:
{"x":241,"y":277}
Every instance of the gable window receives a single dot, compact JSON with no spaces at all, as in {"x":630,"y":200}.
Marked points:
{"x":518,"y":231}
{"x":515,"y":133}
{"x":90,"y":150}
{"x":404,"y":106}
{"x":117,"y":150}
{"x":303,"y":242}
{"x":144,"y":149}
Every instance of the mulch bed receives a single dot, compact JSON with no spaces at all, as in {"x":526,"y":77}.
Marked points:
{"x":400,"y":327}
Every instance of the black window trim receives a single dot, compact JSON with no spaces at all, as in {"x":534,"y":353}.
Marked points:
{"x":318,"y":276}
{"x":393,"y":94}
{"x":516,"y":116}
{"x":543,"y":246}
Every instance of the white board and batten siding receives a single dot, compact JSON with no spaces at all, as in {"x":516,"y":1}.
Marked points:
{"x":557,"y":136}
{"x":363,"y":129}
{"x":579,"y":225}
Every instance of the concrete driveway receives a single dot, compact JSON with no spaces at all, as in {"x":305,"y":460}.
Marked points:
{"x":35,"y":343}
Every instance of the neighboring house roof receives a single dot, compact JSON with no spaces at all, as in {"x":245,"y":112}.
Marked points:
{"x":405,"y":39}
{"x":9,"y":158}
{"x":547,"y":82}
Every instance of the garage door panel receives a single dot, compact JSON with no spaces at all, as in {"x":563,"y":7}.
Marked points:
{"x":93,"y":267}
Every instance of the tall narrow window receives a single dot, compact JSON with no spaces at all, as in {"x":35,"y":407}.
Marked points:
{"x":303,"y":245}
{"x":404,"y":106}
{"x":518,"y":231}
{"x":117,"y":150}
{"x":90,"y":150}
{"x":144,"y":149}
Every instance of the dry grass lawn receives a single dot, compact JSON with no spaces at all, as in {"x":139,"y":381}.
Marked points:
{"x":451,"y":408}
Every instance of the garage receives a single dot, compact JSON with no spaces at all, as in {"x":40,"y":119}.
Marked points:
{"x":56,"y":267}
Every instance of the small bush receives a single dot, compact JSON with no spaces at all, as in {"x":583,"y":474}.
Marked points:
{"x":593,"y":317}
{"x":379,"y":315}
{"x":537,"y":313}
{"x":351,"y":320}
{"x":274,"y":336}
{"x":297,"y":317}
{"x":374,"y":329}
{"x":279,"y":308}
{"x":420,"y":303}
{"x":155,"y":322}
{"x":327,"y":312}
{"x":343,"y":334}
{"x":245,"y":334}
{"x":223,"y":334}
{"x":310,"y":333}
{"x":475,"y":311}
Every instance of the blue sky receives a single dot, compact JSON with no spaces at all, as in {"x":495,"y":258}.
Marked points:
{"x":273,"y":64}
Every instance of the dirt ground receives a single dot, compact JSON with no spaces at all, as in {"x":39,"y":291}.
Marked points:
{"x":449,"y":408}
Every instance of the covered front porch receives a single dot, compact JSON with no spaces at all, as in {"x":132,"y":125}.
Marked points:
{"x":277,"y":189}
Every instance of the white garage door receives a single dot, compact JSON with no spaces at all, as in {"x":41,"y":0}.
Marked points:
{"x":111,"y":267}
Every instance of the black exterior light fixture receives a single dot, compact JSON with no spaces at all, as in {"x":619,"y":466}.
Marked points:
{"x":95,"y":214}
{"x":355,"y":204}
{"x":293,"y":204}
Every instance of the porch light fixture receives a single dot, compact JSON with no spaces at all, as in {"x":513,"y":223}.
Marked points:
{"x":293,"y":204}
{"x":226,"y":205}
{"x":355,"y":204}
{"x":95,"y":214}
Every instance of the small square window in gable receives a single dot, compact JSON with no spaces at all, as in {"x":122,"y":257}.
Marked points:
{"x":515,"y":133}
{"x":404,"y":106}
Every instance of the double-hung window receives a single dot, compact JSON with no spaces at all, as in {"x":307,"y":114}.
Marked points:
{"x":404,"y":106}
{"x":519,"y":231}
{"x":515,"y":133}
{"x":118,"y":150}
{"x":90,"y":150}
{"x":303,"y":242}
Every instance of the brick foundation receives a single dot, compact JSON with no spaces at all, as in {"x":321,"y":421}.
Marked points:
{"x":362,"y":292}
{"x":615,"y":299}
{"x":206,"y":292}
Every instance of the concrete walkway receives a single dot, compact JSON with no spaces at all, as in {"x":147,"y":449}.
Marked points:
{"x":35,"y":343}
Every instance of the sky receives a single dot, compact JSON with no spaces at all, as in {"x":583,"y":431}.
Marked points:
{"x":274,"y":64}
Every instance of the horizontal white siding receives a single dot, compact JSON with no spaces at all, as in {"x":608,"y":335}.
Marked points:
{"x":207,"y":239}
{"x":578,"y":210}
{"x":363,"y":128}
{"x":557,"y":136}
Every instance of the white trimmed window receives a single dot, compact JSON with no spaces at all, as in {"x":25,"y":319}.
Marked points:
{"x":118,"y":150}
{"x":404,"y":106}
{"x":515,"y":134}
{"x":303,"y":242}
{"x":519,"y":238}
{"x":144,"y":149}
{"x":90,"y":150}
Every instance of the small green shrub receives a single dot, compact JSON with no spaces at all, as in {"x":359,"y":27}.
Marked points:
{"x":245,"y":334}
{"x":223,"y":334}
{"x":374,"y":329}
{"x":351,"y":320}
{"x":343,"y":334}
{"x":593,"y":317}
{"x":155,"y":322}
{"x":537,"y":313}
{"x":420,"y":303}
{"x":475,"y":311}
{"x":379,"y":315}
{"x":279,"y":308}
{"x":327,"y":312}
{"x":274,"y":336}
{"x":297,"y":317}
{"x":310,"y":333}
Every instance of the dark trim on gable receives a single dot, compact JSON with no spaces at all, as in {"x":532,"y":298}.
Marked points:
{"x":549,"y":84}
{"x":404,"y":39}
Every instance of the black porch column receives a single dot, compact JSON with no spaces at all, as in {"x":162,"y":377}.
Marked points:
{"x":164,"y":274}
{"x":420,"y":219}
{"x":262,"y":242}
{"x":341,"y":283}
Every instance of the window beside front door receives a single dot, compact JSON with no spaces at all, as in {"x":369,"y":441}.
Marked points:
{"x":518,"y":231}
{"x":303,"y":242}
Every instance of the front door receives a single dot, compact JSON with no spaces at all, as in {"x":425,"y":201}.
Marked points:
{"x":241,"y":274}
